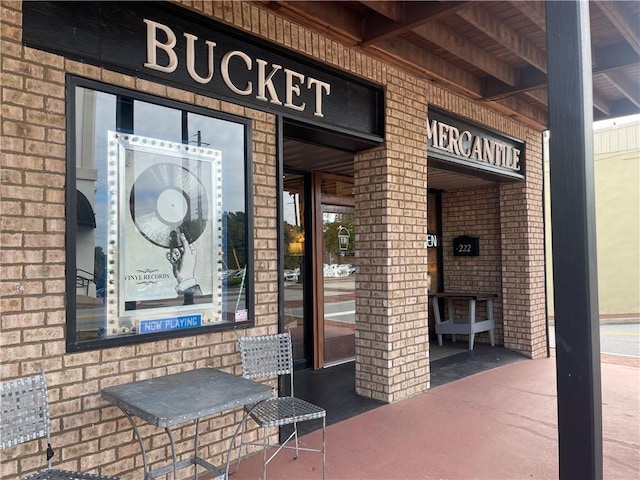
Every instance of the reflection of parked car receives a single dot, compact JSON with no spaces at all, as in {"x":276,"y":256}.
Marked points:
{"x":337,"y":270}
{"x":291,"y":275}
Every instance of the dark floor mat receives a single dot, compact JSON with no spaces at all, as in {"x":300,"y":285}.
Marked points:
{"x":468,"y":362}
{"x":334,"y":389}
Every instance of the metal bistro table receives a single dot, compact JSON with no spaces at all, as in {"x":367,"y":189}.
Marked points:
{"x":181,"y":397}
{"x":467,"y":326}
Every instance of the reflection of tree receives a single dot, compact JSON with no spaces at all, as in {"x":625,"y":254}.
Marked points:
{"x":292,"y":234}
{"x":331,"y":243}
{"x":235,"y":249}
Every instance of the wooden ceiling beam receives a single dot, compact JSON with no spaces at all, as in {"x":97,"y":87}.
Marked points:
{"x":600,"y":103}
{"x":614,"y":57}
{"x":329,"y":16}
{"x":484,"y":21}
{"x":605,"y":59}
{"x":516,"y":108}
{"x":409,"y":56}
{"x":530,"y":79}
{"x":618,"y":17}
{"x":417,"y":59}
{"x":540,"y":95}
{"x":534,"y":11}
{"x":414,"y":14}
{"x":391,"y":10}
{"x":626,"y":86}
{"x":467,"y":51}
{"x":622,"y":108}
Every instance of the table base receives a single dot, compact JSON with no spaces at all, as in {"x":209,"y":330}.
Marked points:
{"x":466,"y":326}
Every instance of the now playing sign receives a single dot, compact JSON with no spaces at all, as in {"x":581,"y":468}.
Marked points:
{"x":174,"y":323}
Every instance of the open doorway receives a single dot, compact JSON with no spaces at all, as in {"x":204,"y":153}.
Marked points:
{"x":318,"y":275}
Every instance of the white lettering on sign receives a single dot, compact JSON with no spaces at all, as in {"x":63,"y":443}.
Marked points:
{"x":191,"y":59}
{"x":464,"y":144}
{"x":225,"y":71}
{"x":432,"y":240}
{"x":165,"y":324}
{"x":153,"y":45}
{"x":265,"y":82}
{"x":263,"y":88}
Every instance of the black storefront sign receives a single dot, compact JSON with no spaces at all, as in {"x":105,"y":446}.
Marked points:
{"x":163,"y":42}
{"x":459,"y":145}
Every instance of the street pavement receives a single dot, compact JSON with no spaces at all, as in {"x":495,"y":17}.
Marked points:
{"x":615,"y":339}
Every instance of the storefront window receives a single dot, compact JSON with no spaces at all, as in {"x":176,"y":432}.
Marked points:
{"x":160,"y":246}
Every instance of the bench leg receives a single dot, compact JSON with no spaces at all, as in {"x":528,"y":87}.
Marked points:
{"x":472,"y":320}
{"x":450,"y":316}
{"x":436,"y":314}
{"x":492,"y":336}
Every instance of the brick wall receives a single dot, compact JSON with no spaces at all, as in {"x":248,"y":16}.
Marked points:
{"x":476,"y":213}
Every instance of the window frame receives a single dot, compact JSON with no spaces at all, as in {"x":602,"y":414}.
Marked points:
{"x":72,"y":343}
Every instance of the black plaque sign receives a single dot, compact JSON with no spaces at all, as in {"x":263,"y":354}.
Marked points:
{"x":454,"y":143}
{"x":466,"y":246}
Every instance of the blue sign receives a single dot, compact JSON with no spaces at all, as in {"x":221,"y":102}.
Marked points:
{"x":174,"y":323}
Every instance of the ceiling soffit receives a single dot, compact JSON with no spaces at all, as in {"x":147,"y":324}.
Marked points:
{"x":494,"y":53}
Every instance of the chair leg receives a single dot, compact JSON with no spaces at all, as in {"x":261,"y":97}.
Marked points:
{"x":244,"y":424}
{"x":295,"y":432}
{"x":264,"y":453}
{"x":324,"y":454}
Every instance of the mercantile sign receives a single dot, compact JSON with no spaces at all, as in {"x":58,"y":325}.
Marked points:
{"x":451,"y":139}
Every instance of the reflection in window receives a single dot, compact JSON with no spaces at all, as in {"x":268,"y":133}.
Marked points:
{"x":161,"y":233}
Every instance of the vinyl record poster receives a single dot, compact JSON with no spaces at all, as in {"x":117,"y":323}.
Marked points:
{"x":165,"y":235}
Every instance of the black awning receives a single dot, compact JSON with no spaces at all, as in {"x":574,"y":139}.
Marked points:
{"x":86,"y":217}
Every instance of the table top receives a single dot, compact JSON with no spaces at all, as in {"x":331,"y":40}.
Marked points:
{"x":180,"y":397}
{"x":475,"y":296}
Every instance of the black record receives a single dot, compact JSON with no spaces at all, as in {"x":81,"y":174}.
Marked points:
{"x":165,"y":200}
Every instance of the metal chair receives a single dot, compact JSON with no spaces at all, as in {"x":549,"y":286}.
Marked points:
{"x":24,"y":416}
{"x":266,"y":356}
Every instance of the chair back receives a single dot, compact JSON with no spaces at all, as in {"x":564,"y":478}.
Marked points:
{"x":24,"y":410}
{"x":266,"y":355}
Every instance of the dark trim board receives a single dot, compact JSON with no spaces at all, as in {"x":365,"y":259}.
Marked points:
{"x":233,"y":65}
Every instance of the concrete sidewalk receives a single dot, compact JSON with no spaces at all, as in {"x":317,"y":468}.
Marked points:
{"x":498,"y":424}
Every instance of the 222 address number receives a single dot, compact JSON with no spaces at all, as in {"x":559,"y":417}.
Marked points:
{"x":464,"y":248}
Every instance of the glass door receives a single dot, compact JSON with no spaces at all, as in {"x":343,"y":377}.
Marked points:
{"x":338,"y":273}
{"x":318,"y":275}
{"x":293,"y":274}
